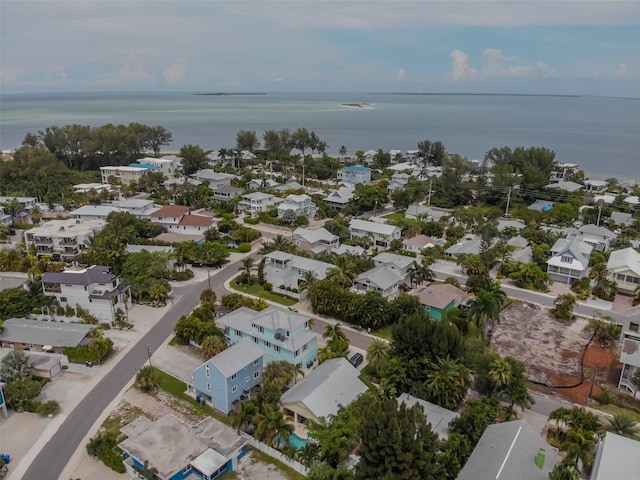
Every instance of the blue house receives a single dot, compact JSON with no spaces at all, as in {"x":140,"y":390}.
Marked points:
{"x":354,"y":174}
{"x":280,"y":333}
{"x":229,"y":376}
{"x":179,"y":451}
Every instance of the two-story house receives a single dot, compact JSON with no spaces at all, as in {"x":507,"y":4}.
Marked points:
{"x":256,"y":202}
{"x":139,"y":207}
{"x":215,"y":179}
{"x":27,"y":204}
{"x":624,"y":268}
{"x":66,"y":238}
{"x":229,"y":377}
{"x":122,"y":174}
{"x":354,"y":174}
{"x":94,"y":212}
{"x":569,"y":260}
{"x":341,"y":197}
{"x":299,"y":205}
{"x":96,"y":289}
{"x":398,"y":182}
{"x":385,"y":279}
{"x":283,"y":269}
{"x":598,"y":237}
{"x":401,"y":263}
{"x":280,"y":333}
{"x":177,"y":219}
{"x":438,"y":299}
{"x":380,"y":233}
{"x":315,"y":240}
{"x":169,"y":165}
{"x":226,"y":194}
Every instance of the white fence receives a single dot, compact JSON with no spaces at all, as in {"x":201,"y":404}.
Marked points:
{"x":273,"y":453}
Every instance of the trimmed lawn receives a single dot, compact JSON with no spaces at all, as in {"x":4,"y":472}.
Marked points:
{"x":384,"y":332}
{"x":257,"y":290}
{"x":394,"y":216}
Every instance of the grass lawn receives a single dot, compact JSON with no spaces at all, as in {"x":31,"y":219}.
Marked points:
{"x":615,"y":409}
{"x":257,"y":290}
{"x":394,"y":216}
{"x":384,"y":332}
{"x":174,"y":341}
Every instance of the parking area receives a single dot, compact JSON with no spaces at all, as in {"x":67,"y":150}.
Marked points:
{"x":177,"y":361}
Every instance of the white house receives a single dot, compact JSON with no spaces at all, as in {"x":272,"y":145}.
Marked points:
{"x":66,"y":238}
{"x":299,"y":205}
{"x":256,"y":202}
{"x":282,"y":268}
{"x":381,"y":234}
{"x":401,"y":263}
{"x":341,"y":197}
{"x":354,"y":174}
{"x":94,"y":212}
{"x":595,"y":185}
{"x":169,"y":165}
{"x":315,"y":240}
{"x":385,"y":279}
{"x":95,"y":289}
{"x":139,"y":207}
{"x":123,"y":174}
{"x":624,"y":268}
{"x":569,"y":260}
{"x":418,"y":243}
{"x":177,"y":219}
{"x":398,"y":182}
{"x":598,"y":237}
{"x":215,"y":179}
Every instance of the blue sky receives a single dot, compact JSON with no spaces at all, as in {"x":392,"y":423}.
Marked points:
{"x":554,"y":47}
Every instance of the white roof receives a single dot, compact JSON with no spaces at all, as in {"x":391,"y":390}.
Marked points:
{"x":373,"y":227}
{"x":258,"y":196}
{"x":383,"y":277}
{"x":297,"y":198}
{"x":400,"y":261}
{"x":348,"y":249}
{"x":625,"y":259}
{"x":95,"y":211}
{"x":566,"y":186}
{"x":333,"y":384}
{"x":236,"y":357}
{"x":617,"y":458}
{"x":209,"y":462}
{"x":125,"y":169}
{"x":437,"y":416}
{"x":315,"y":235}
{"x":596,"y":183}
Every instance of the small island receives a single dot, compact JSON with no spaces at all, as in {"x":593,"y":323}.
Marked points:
{"x":356,"y":105}
{"x":225,"y":94}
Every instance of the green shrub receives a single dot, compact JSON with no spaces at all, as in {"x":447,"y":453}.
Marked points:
{"x":20,"y":394}
{"x":180,"y":276}
{"x":251,"y":220}
{"x":244,"y":247}
{"x":104,"y":446}
{"x":267,"y":287}
{"x":49,"y":408}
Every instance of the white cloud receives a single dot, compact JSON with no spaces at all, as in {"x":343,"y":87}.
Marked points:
{"x":497,"y":65}
{"x":132,"y":72}
{"x":279,"y":79}
{"x":460,"y":69}
{"x":175,"y":74}
{"x":402,"y":75}
{"x":622,"y":70}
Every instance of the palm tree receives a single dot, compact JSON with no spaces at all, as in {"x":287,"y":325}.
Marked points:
{"x":247,"y":265}
{"x":447,"y":382}
{"x":334,"y":332}
{"x":309,"y":277}
{"x":343,"y":152}
{"x":599,"y":272}
{"x":579,"y":446}
{"x":378,"y":353}
{"x":560,"y":415}
{"x":486,"y":308}
{"x":212,"y":345}
{"x":273,"y":427}
{"x":146,"y":379}
{"x":36,"y":214}
{"x":623,"y":424}
{"x":500,"y":373}
{"x":241,"y":419}
{"x":15,"y":366}
{"x":565,"y":472}
{"x":309,"y":454}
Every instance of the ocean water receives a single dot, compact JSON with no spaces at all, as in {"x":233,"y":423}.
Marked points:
{"x":600,"y":134}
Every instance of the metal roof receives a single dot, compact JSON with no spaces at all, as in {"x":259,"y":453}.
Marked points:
{"x":400,"y":261}
{"x":437,"y":416}
{"x":236,"y":357}
{"x":618,"y":458}
{"x":373,"y":227}
{"x":38,"y":332}
{"x":441,"y":295}
{"x":383,"y":277}
{"x":625,"y":259}
{"x":333,"y":384}
{"x":84,"y":276}
{"x":315,"y":235}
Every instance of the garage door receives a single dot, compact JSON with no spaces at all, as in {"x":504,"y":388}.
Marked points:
{"x":53,"y":371}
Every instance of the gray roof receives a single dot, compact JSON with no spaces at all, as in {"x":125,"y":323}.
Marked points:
{"x":150,"y":248}
{"x":434,"y":213}
{"x":440,"y":295}
{"x":595,"y":230}
{"x":525,"y":255}
{"x":236,"y":357}
{"x":315,"y":235}
{"x":228,"y":189}
{"x":383,"y":277}
{"x":208,"y":174}
{"x":333,"y":384}
{"x":37,"y":360}
{"x":348,"y":249}
{"x":627,"y":259}
{"x":438,"y":417}
{"x":38,"y":332}
{"x":373,"y":227}
{"x":517,"y":224}
{"x":400,"y":261}
{"x":618,"y":458}
{"x":215,"y":434}
{"x":319,"y":268}
{"x":518,"y":242}
{"x":566,"y":186}
{"x":257,"y":196}
{"x":573,"y":246}
{"x":469,"y":245}
{"x":620,"y":218}
{"x":507,"y":451}
{"x":82,"y":276}
{"x":95,"y":210}
{"x":12,"y":280}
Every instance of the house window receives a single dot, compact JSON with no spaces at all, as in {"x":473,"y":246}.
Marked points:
{"x":276,"y":348}
{"x":208,"y":387}
{"x":256,"y":374}
{"x":234,"y":376}
{"x":187,"y":469}
{"x":267,"y":344}
{"x":304,"y":347}
{"x":248,"y":379}
{"x":63,"y":299}
{"x":207,"y":371}
{"x":565,"y":259}
{"x":296,"y":353}
{"x":255,"y":340}
{"x":234,"y":389}
{"x":256,"y":361}
{"x":634,"y":327}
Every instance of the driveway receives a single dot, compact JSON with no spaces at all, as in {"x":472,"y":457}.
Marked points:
{"x":177,"y":362}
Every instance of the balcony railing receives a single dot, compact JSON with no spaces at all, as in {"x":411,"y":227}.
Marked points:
{"x":629,"y":385}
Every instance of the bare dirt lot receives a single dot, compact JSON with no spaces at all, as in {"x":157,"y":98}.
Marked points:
{"x":550,"y":348}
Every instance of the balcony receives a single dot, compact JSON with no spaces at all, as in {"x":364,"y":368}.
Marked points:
{"x":52,"y":289}
{"x":42,"y":241}
{"x":68,"y":241}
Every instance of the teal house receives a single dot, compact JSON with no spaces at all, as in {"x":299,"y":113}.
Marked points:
{"x":438,"y":299}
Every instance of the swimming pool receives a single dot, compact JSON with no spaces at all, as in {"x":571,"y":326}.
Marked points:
{"x":295,"y":441}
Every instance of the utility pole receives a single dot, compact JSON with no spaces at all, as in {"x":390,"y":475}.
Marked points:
{"x":149,"y":355}
{"x":506,"y":212}
{"x":599,"y":213}
{"x":430,"y":185}
{"x":208,"y":278}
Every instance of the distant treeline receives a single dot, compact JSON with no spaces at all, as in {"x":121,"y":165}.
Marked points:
{"x":82,"y":147}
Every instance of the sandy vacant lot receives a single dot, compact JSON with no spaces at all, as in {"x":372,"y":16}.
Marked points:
{"x":551,"y":349}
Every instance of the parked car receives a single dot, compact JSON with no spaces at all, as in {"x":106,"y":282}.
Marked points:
{"x":356,"y":360}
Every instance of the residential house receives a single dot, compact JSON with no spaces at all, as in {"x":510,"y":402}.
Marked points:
{"x":624,"y":268}
{"x":256,"y":202}
{"x":314,"y":240}
{"x":401,"y":263}
{"x":282,"y":268}
{"x":504,"y":223}
{"x":43,"y":365}
{"x":177,"y":219}
{"x":598,"y":237}
{"x":27,"y":204}
{"x":412,"y":155}
{"x":349,"y":250}
{"x":569,"y":260}
{"x":567,"y":186}
{"x":169,"y":165}
{"x":177,"y":181}
{"x":595,"y":185}
{"x":43,"y":336}
{"x":380,"y":234}
{"x":369,"y":157}
{"x":354,"y":174}
{"x":139,"y":207}
{"x":288,"y":187}
{"x":468,"y":245}
{"x":66,"y":238}
{"x":398,"y":182}
{"x":87,"y":187}
{"x":216,"y":180}
{"x":617,"y":457}
{"x":5,"y":218}
{"x":280,"y":333}
{"x":509,"y":451}
{"x":406,"y":167}
{"x":341,"y":197}
{"x":10,"y":280}
{"x":629,"y":355}
{"x":334,"y":384}
{"x":632,"y":200}
{"x":173,"y":238}
{"x":300,"y":205}
{"x":564,"y":171}
{"x":178,"y":451}
{"x":96,"y":289}
{"x":621,"y":218}
{"x":94,"y":212}
{"x":541,"y":205}
{"x":438,"y":299}
{"x":418,"y":243}
{"x":438,"y":417}
{"x":607,"y":198}
{"x":226,"y":194}
{"x":169,"y":215}
{"x":518,"y":242}
{"x":258,"y":183}
{"x":433,"y":214}
{"x":229,"y":377}
{"x":123,"y":175}
{"x":384,"y":279}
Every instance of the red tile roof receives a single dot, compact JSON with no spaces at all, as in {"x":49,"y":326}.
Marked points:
{"x":196,"y":221}
{"x":171,"y":211}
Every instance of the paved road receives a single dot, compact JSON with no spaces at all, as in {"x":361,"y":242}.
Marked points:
{"x":55,"y":455}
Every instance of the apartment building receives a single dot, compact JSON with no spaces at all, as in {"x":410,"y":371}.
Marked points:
{"x":66,"y":238}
